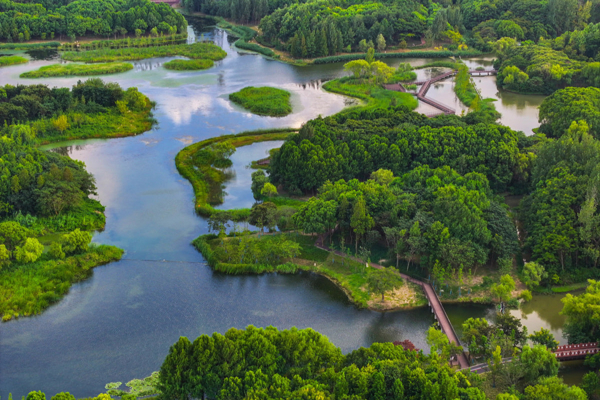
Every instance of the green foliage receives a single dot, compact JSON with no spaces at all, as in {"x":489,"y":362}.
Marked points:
{"x":381,"y":281}
{"x":582,"y":323}
{"x":559,"y":110}
{"x":29,"y":252}
{"x":341,"y":146}
{"x":301,"y":364}
{"x":29,"y":289}
{"x":207,"y":180}
{"x":203,"y":50}
{"x":63,"y":396}
{"x":533,"y":273}
{"x":77,"y":242}
{"x":553,"y":388}
{"x":28,"y":46}
{"x":563,"y":181}
{"x":189,"y":65}
{"x":545,"y":338}
{"x":42,"y":19}
{"x":12,"y":60}
{"x":56,"y":251}
{"x":77,"y":70}
{"x":87,"y":110}
{"x":407,"y":54}
{"x":263,"y":100}
{"x":373,"y":94}
{"x":503,"y":290}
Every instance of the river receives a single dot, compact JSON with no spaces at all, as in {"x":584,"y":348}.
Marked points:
{"x":119,"y":324}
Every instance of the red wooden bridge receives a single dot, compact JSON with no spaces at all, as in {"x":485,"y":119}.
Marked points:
{"x":425,"y":85}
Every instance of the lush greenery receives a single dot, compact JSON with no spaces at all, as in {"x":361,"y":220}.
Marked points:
{"x":203,"y":50}
{"x":200,"y":163}
{"x":355,"y":144}
{"x":12,"y":60}
{"x":189,"y":65}
{"x":90,"y":109}
{"x":407,"y":54}
{"x":154,"y":39}
{"x":245,"y":35}
{"x":77,"y":70}
{"x":540,"y":69}
{"x":21,"y":22}
{"x":28,"y":46}
{"x":30,"y":280}
{"x":264,"y":100}
{"x":582,"y":325}
{"x":564,"y":106}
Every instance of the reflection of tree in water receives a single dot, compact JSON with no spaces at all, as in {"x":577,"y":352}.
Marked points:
{"x":67,"y":150}
{"x":43,"y":54}
{"x":217,"y":193}
{"x":313,"y":84}
{"x":546,"y":308}
{"x":146,"y":65}
{"x":384,"y":327}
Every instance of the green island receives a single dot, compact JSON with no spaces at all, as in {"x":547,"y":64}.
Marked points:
{"x":263,"y":100}
{"x":91,"y":109}
{"x":77,"y":70}
{"x":206,"y":50}
{"x":189,"y":65}
{"x":12,"y":60}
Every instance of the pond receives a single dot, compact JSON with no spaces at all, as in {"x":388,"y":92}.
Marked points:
{"x":119,"y":324}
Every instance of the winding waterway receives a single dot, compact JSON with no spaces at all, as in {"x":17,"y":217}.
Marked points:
{"x":119,"y":324}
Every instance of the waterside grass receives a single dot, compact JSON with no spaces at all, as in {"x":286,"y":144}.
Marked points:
{"x":204,"y":50}
{"x":28,"y":289}
{"x":206,"y":179}
{"x":263,"y":100}
{"x":12,"y":60}
{"x":77,"y":70}
{"x":189,"y":65}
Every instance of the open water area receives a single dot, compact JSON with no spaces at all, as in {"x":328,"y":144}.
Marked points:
{"x":118,"y":324}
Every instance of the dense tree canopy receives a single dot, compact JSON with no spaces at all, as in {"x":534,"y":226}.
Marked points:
{"x":303,"y":364}
{"x":45,"y":19}
{"x":564,"y":106}
{"x":355,"y":144}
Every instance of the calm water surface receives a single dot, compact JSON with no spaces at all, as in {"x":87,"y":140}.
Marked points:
{"x":119,"y":324}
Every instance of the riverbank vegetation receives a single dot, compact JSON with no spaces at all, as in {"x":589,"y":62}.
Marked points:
{"x":204,"y":50}
{"x":154,"y":39}
{"x":32,"y":278}
{"x":22,"y":22}
{"x":251,"y":253}
{"x":77,"y":70}
{"x":264,"y":100}
{"x":91,"y":109}
{"x":189,"y":65}
{"x":202,"y":163}
{"x":12,"y":60}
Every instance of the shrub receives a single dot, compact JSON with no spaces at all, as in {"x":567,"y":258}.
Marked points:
{"x":188,"y":65}
{"x":264,"y":100}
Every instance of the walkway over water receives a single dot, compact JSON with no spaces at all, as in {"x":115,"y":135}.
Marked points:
{"x":434,"y":302}
{"x":566,"y":352}
{"x":425,"y":85}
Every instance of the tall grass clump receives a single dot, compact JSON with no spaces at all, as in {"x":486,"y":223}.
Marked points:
{"x":12,"y":60}
{"x":77,"y":70}
{"x":189,"y":65}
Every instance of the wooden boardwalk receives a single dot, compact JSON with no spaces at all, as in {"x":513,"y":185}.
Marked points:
{"x":434,"y":302}
{"x":425,"y":85}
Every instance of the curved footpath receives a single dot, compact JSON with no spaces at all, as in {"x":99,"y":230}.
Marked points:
{"x":434,"y":302}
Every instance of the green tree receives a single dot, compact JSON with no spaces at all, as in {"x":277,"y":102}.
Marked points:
{"x":262,"y":215}
{"x":36,"y":396}
{"x":538,"y":362}
{"x":561,"y":108}
{"x":583,"y":323}
{"x":29,"y":252}
{"x":63,"y":396}
{"x":383,"y":176}
{"x":361,"y":222}
{"x":380,"y":281}
{"x":533,"y":273}
{"x":77,"y":241}
{"x":495,"y":364}
{"x":12,"y":234}
{"x":176,"y":379}
{"x":553,"y":388}
{"x":503,"y":290}
{"x":259,"y":179}
{"x":56,"y":251}
{"x":380,"y":42}
{"x":360,"y":68}
{"x":377,"y":389}
{"x":545,"y":338}
{"x":268,"y":190}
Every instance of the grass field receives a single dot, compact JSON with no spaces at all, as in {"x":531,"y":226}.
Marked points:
{"x":373,"y":94}
{"x":12,"y":60}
